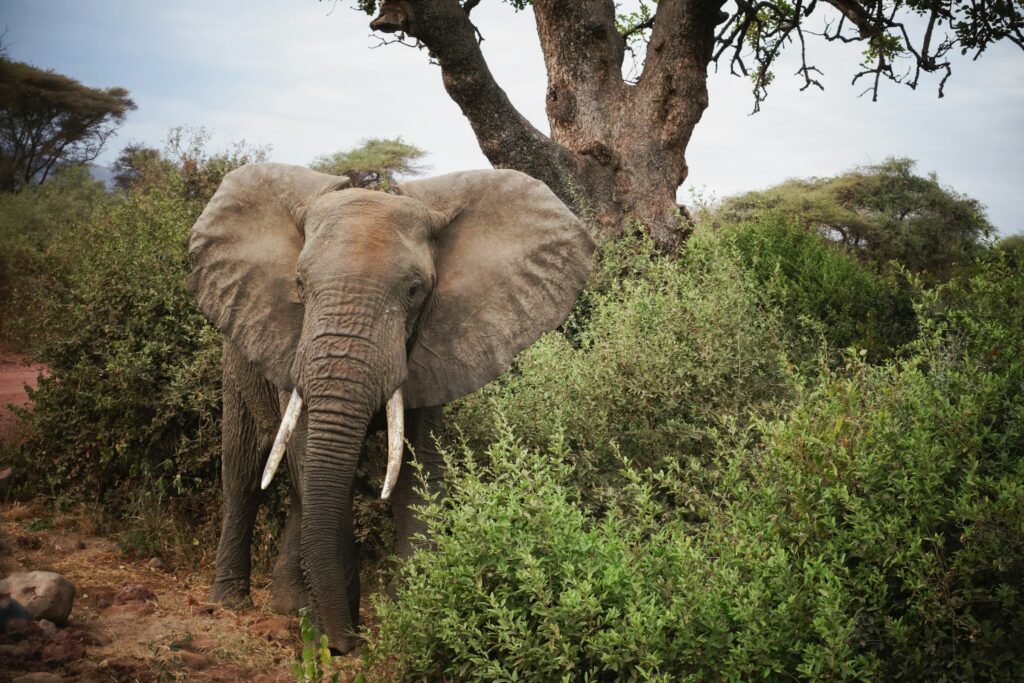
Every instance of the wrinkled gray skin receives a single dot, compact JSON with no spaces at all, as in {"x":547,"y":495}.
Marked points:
{"x":347,"y":295}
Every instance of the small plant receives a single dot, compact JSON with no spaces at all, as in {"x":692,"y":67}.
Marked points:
{"x":312,"y":667}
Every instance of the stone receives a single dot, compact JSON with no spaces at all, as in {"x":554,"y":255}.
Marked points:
{"x":10,"y":609}
{"x":48,"y":627}
{"x":44,"y":595}
{"x":156,"y":563}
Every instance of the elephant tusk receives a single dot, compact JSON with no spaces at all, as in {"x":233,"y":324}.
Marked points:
{"x":396,"y":442}
{"x":284,"y":432}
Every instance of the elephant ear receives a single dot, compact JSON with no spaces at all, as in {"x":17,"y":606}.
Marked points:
{"x":244,"y":247}
{"x":510,"y":261}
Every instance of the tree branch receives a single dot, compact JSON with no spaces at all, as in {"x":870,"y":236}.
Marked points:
{"x":858,"y":16}
{"x":580,"y":42}
{"x":506,"y":137}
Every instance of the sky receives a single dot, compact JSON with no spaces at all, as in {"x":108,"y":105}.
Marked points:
{"x":308,"y":78}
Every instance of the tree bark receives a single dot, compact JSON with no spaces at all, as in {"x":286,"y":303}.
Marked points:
{"x":616,"y":153}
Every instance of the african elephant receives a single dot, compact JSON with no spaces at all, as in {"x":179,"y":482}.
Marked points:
{"x":349,"y":299}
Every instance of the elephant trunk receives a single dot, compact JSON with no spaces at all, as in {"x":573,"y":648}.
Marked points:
{"x":346,"y":376}
{"x":337,"y":429}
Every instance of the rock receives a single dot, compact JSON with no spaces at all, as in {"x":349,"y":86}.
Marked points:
{"x":103,"y":602}
{"x":38,"y":677}
{"x":12,"y":653}
{"x":48,"y":627}
{"x":134,"y":592}
{"x":10,"y":609}
{"x":22,"y":629}
{"x":156,"y":563}
{"x":45,"y":595}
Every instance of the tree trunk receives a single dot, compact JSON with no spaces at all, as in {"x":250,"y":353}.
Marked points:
{"x":617,"y":150}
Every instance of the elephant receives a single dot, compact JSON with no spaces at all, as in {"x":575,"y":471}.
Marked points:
{"x":338,"y":304}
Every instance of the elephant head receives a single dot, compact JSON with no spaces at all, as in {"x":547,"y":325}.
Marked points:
{"x":346,"y":296}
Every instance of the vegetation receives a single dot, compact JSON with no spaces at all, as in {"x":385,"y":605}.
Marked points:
{"x":627,"y":81}
{"x":375,"y":164}
{"x":870,"y":528}
{"x":48,"y":120}
{"x":880,"y":213}
{"x":764,"y":457}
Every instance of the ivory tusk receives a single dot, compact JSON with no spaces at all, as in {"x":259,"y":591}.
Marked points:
{"x":284,"y":432}
{"x":396,"y":442}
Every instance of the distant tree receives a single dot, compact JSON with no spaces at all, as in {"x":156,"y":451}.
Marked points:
{"x":137,"y":165}
{"x":48,"y":120}
{"x":881,"y":212}
{"x":185,"y":166}
{"x":627,"y":81}
{"x":375,"y":163}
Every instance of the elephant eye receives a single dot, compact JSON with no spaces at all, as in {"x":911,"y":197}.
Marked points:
{"x":415,"y":289}
{"x":300,"y":286}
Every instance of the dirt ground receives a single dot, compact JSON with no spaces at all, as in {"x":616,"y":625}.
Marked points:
{"x":132,"y":619}
{"x":15,"y":373}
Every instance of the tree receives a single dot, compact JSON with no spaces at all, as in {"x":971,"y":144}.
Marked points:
{"x":48,"y":120}
{"x":374,"y":164}
{"x":185,"y":166}
{"x":880,"y":213}
{"x":617,"y":146}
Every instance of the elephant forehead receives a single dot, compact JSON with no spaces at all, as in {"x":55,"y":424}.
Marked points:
{"x":368,"y":212}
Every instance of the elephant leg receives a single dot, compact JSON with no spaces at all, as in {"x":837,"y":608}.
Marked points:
{"x":288,"y":590}
{"x":241,"y":459}
{"x":423,"y":425}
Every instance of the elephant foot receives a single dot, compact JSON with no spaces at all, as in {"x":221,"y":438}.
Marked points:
{"x":287,"y":599}
{"x":231,"y":594}
{"x":352,"y":645}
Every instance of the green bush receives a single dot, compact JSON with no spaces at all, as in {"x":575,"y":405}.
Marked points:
{"x":879,"y":213}
{"x":669,"y":351}
{"x":874,"y":532}
{"x":133,"y":393}
{"x":31,"y":222}
{"x":823,"y":292}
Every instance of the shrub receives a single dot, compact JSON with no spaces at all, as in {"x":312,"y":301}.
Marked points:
{"x":668,"y":351}
{"x":31,"y":221}
{"x":880,"y":213}
{"x":133,"y":392}
{"x":875,"y":532}
{"x":823,"y":292}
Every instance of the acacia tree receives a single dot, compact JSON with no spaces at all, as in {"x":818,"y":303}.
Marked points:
{"x":617,"y":145}
{"x":882,"y":212}
{"x":49,"y":120}
{"x":375,"y":163}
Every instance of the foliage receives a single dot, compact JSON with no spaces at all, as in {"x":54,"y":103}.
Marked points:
{"x":315,"y":659}
{"x":133,"y":392}
{"x":874,"y":532}
{"x":374,"y":164}
{"x":48,"y":120}
{"x":32,"y":220}
{"x":880,"y":213}
{"x":133,"y":399}
{"x":824,"y":294}
{"x":662,"y":352}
